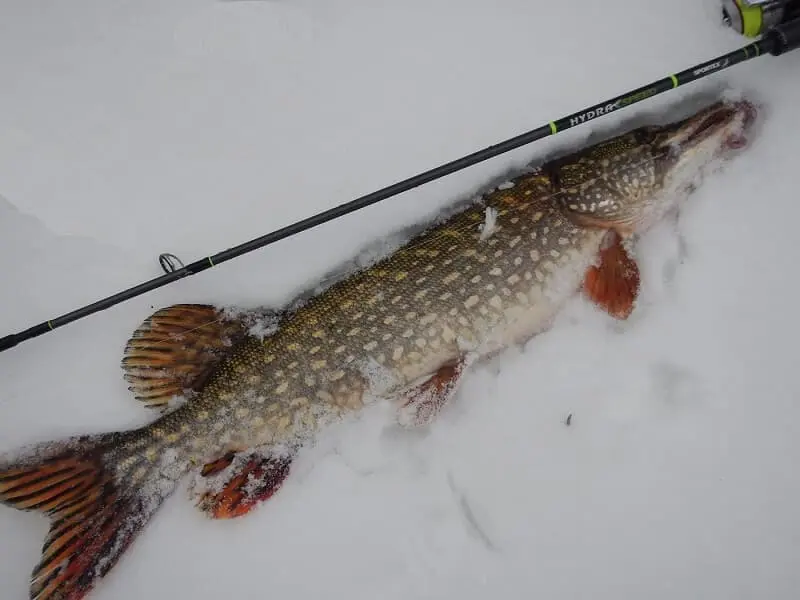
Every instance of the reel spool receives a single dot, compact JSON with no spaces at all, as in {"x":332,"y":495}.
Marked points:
{"x":752,"y":18}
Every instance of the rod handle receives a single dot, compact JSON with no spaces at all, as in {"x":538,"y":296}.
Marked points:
{"x":784,"y":37}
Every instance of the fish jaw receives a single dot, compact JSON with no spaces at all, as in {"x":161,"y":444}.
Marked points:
{"x":690,"y":149}
{"x":630,"y":182}
{"x":715,"y":130}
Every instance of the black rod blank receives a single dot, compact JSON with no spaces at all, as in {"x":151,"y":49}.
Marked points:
{"x":778,"y":41}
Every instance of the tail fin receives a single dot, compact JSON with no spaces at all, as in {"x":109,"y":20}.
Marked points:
{"x":94,"y":518}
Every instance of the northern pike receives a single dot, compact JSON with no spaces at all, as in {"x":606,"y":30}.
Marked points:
{"x":492,"y":274}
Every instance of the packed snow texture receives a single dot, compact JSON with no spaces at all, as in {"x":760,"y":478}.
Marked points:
{"x":133,"y":128}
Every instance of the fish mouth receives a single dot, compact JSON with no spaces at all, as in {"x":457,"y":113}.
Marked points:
{"x":727,"y":121}
{"x":732,"y":120}
{"x":749,"y":114}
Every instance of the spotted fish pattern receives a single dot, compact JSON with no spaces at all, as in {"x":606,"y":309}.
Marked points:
{"x":455,"y":288}
{"x":491,"y":274}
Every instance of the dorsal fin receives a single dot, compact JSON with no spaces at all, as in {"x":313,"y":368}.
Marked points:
{"x":175,"y":349}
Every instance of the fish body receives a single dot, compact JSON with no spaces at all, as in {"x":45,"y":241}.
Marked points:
{"x":491,"y":275}
{"x":456,"y":288}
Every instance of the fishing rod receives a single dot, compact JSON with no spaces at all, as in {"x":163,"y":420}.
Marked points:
{"x":779,"y":38}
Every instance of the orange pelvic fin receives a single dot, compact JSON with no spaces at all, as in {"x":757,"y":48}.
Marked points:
{"x":613,"y":284}
{"x":93,"y":519}
{"x":251,"y":479}
{"x":424,"y":402}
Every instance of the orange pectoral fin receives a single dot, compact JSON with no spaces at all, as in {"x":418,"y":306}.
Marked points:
{"x":614,"y":283}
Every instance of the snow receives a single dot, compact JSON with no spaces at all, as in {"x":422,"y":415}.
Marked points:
{"x":489,"y":224}
{"x":128,"y":129}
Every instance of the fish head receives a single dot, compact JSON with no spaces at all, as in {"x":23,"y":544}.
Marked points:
{"x":629,"y":182}
{"x":682,"y":149}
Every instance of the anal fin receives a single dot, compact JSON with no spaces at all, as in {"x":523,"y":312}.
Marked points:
{"x":251,"y":478}
{"x":218,"y":466}
{"x":613,"y":284}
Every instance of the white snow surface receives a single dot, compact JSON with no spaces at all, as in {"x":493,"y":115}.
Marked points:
{"x":133,"y":128}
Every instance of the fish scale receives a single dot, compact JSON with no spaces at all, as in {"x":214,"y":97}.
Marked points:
{"x":451,"y":289}
{"x":490,"y":275}
{"x":441,"y":294}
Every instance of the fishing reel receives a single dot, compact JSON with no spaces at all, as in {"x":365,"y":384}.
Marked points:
{"x":752,"y":18}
